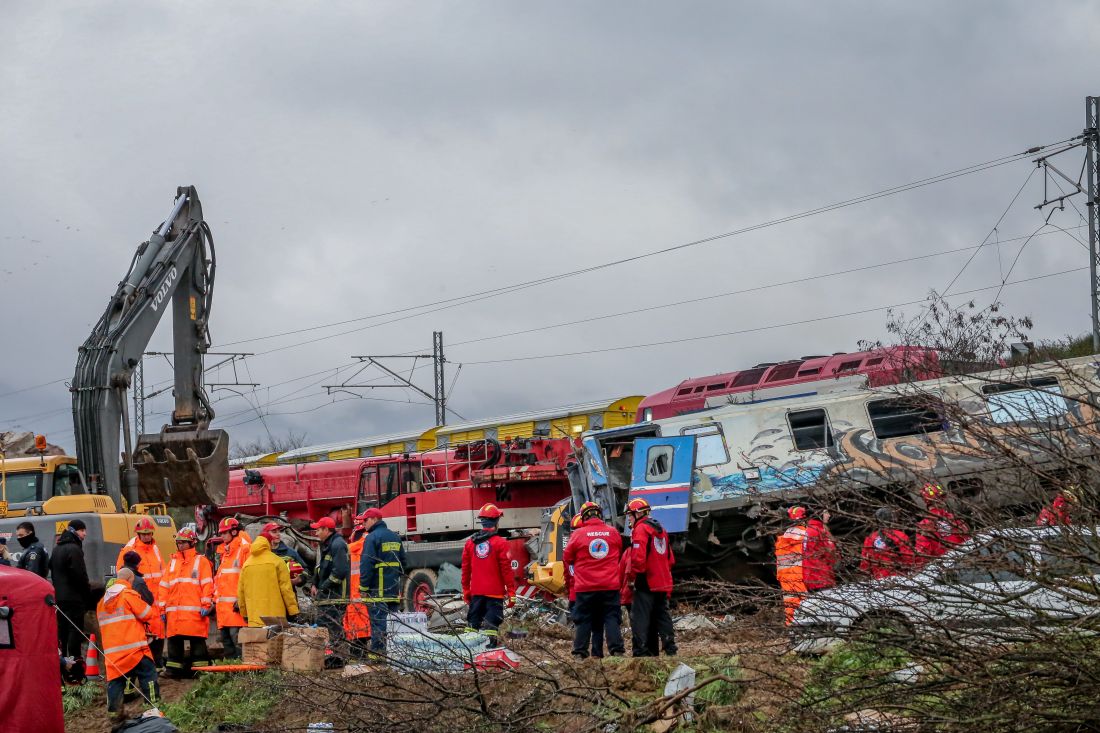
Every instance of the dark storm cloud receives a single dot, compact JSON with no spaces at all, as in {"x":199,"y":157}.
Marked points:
{"x":359,"y":158}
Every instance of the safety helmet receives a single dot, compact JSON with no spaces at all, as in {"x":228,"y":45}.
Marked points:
{"x":187,"y":535}
{"x":490,"y":511}
{"x":591,"y":509}
{"x":932,"y":492}
{"x":295,"y":568}
{"x":144,"y":525}
{"x":1070,"y":494}
{"x":575,"y":521}
{"x":796,"y":512}
{"x":638,"y":506}
{"x":228,"y":525}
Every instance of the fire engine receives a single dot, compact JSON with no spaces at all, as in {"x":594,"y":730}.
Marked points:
{"x":431,"y":498}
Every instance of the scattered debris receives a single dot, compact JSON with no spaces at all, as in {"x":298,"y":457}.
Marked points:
{"x":693,"y":622}
{"x":907,"y":674}
{"x":435,"y":652}
{"x":680,"y":679}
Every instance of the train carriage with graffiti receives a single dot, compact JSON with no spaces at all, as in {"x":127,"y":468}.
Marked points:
{"x":997,"y":438}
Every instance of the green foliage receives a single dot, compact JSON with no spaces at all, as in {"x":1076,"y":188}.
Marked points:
{"x":74,"y":699}
{"x":229,"y":698}
{"x":720,"y":692}
{"x":848,"y":674}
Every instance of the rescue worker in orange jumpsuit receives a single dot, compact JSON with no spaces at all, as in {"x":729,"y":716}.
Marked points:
{"x":487,"y":577}
{"x":123,"y":625}
{"x":649,"y":570}
{"x":887,"y":551}
{"x":594,"y":550}
{"x":187,"y":600}
{"x":151,"y":568}
{"x":356,"y":614}
{"x":790,"y":550}
{"x":1060,"y":511}
{"x":232,"y":554}
{"x":941,"y":530}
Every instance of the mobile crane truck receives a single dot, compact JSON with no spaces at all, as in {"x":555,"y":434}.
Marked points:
{"x":187,"y":463}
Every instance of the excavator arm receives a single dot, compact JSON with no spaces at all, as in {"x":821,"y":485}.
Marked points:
{"x":186,"y":463}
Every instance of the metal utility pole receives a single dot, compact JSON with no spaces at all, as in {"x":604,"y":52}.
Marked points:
{"x":439,"y":394}
{"x":139,"y":381}
{"x":1092,"y":138}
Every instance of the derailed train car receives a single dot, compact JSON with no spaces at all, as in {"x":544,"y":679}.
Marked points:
{"x":1000,"y":438}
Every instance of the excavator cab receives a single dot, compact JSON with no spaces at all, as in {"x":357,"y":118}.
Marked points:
{"x":182,"y":466}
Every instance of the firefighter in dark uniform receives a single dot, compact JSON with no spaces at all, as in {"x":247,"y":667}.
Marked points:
{"x":330,"y":582}
{"x":487,"y":577}
{"x":593,"y":551}
{"x":380,"y":574}
{"x":650,"y":572}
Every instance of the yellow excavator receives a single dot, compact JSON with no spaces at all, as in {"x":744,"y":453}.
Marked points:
{"x":184,"y":465}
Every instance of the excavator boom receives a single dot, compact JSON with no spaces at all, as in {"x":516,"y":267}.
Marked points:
{"x":186,"y":463}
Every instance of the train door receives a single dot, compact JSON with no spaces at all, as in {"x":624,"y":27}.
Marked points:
{"x":661,"y":475}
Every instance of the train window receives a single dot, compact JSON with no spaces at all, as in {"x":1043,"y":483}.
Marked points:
{"x":875,"y":362}
{"x":368,"y":488}
{"x":710,"y":447}
{"x":658,"y":464}
{"x":784,"y":371}
{"x":809,"y":372}
{"x":810,"y":429}
{"x":713,"y":387}
{"x":849,"y":366}
{"x":747,"y":377}
{"x":684,"y":391}
{"x":900,"y":416}
{"x":388,"y":486}
{"x":1030,"y":401}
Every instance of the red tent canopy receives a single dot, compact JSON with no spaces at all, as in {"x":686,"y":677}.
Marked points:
{"x":30,"y":670}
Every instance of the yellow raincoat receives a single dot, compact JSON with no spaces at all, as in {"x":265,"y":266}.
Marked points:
{"x":264,"y":588}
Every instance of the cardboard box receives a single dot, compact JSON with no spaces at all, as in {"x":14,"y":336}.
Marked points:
{"x":251,"y":635}
{"x":304,"y":648}
{"x":268,"y":652}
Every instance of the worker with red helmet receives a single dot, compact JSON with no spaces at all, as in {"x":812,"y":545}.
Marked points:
{"x":790,"y":550}
{"x":187,"y":600}
{"x":649,"y":570}
{"x":151,"y":568}
{"x":487,"y":577}
{"x":887,"y":551}
{"x":571,"y":591}
{"x":941,"y":530}
{"x":593,"y":550}
{"x":233,"y":553}
{"x":1060,"y":511}
{"x":356,"y":614}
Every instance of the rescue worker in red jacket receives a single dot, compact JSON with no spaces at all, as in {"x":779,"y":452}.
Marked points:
{"x":941,"y":530}
{"x":487,"y":577}
{"x":187,"y":600}
{"x":1060,"y":511}
{"x":649,"y":570}
{"x":819,"y":557}
{"x":887,"y":551}
{"x":571,"y":590}
{"x":233,"y":553}
{"x":593,"y":550}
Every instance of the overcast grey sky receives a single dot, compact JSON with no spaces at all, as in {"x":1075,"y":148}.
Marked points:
{"x":357,"y":158}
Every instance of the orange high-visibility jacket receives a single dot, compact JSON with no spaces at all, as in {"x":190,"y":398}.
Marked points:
{"x":123,"y":619}
{"x":233,"y":557}
{"x":356,"y":617}
{"x":187,"y":589}
{"x":151,"y":566}
{"x":789,"y":550}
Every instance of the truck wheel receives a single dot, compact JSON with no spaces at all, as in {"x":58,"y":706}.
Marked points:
{"x":418,"y":589}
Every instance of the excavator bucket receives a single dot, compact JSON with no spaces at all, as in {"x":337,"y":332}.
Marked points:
{"x":183,"y":468}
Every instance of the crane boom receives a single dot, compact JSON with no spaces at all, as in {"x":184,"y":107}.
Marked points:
{"x":186,"y":463}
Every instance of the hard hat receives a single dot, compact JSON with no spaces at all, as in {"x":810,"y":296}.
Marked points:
{"x":796,"y":512}
{"x":490,"y":511}
{"x":187,"y":535}
{"x":932,"y":492}
{"x":327,"y":522}
{"x":295,"y":568}
{"x":589,"y":509}
{"x":1070,"y":494}
{"x":575,"y":521}
{"x":144,"y":525}
{"x":638,"y":505}
{"x":228,"y":525}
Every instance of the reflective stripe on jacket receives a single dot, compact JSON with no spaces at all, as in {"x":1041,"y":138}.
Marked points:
{"x":381,"y":567}
{"x":356,"y":618}
{"x":123,"y":618}
{"x":226,"y":579}
{"x":187,"y":590}
{"x":333,"y":569}
{"x":264,"y":588}
{"x":151,"y":566}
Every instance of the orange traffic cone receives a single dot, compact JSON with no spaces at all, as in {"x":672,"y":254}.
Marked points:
{"x":91,"y":664}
